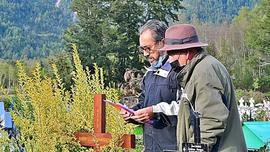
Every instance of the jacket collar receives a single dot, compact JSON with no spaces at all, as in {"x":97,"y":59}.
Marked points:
{"x":165,"y":66}
{"x":163,"y":71}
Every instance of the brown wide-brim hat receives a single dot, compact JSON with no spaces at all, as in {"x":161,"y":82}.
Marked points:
{"x":181,"y":36}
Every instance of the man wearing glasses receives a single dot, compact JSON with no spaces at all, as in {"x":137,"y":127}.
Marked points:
{"x":158,"y":85}
{"x":208,"y":106}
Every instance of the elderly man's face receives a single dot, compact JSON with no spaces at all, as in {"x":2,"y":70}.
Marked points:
{"x":149,"y":47}
{"x":181,"y":56}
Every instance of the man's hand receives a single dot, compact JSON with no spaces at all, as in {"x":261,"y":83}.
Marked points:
{"x":143,"y":115}
{"x":126,"y":115}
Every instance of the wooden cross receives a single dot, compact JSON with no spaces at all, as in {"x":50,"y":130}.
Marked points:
{"x":99,"y":137}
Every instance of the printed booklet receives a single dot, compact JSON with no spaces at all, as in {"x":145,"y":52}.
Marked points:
{"x":120,"y":106}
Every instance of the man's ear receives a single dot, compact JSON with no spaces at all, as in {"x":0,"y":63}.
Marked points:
{"x":161,"y":43}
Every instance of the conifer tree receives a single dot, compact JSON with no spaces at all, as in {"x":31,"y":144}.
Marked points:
{"x":107,"y":31}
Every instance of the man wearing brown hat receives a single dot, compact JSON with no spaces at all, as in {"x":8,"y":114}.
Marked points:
{"x":207,"y":89}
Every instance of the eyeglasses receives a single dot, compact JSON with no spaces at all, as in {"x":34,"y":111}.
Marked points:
{"x":148,"y":49}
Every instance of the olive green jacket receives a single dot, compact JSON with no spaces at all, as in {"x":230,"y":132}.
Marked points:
{"x":210,"y":90}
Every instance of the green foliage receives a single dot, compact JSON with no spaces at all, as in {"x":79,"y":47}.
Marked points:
{"x":7,"y":144}
{"x":234,"y":45}
{"x":32,"y":28}
{"x":258,"y":39}
{"x":47,"y":114}
{"x":264,"y":83}
{"x":258,"y":35}
{"x":243,"y":76}
{"x":209,"y":11}
{"x":7,"y":74}
{"x":106,"y":33}
{"x":63,"y":62}
{"x":261,"y":115}
{"x":239,"y":93}
{"x":246,"y":95}
{"x":256,"y":84}
{"x":40,"y":113}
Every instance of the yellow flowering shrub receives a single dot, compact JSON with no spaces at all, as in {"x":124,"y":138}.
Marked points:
{"x":47,"y":115}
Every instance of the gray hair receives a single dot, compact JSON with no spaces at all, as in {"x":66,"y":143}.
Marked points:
{"x":157,"y":28}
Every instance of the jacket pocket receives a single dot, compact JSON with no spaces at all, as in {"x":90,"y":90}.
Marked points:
{"x":166,"y":92}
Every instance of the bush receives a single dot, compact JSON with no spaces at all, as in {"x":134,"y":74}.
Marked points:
{"x":47,"y":115}
{"x":246,"y":95}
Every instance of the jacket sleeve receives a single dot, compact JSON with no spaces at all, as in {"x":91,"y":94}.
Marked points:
{"x":207,"y":100}
{"x":167,"y":108}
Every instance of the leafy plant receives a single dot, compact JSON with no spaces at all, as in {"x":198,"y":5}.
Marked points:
{"x":107,"y":31}
{"x":47,"y":115}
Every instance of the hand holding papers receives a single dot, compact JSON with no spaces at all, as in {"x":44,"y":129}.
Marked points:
{"x":130,"y":115}
{"x":144,"y":115}
{"x":120,"y":106}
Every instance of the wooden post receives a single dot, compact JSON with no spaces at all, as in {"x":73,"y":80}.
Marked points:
{"x":99,"y":113}
{"x":99,"y":137}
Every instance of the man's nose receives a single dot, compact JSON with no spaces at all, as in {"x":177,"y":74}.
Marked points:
{"x":146,"y":54}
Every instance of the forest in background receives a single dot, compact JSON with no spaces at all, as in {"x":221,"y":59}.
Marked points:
{"x":72,"y":49}
{"x":213,"y":11}
{"x":106,"y":33}
{"x":33,"y":28}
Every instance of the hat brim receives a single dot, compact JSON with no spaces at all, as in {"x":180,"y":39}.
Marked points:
{"x":182,"y":46}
